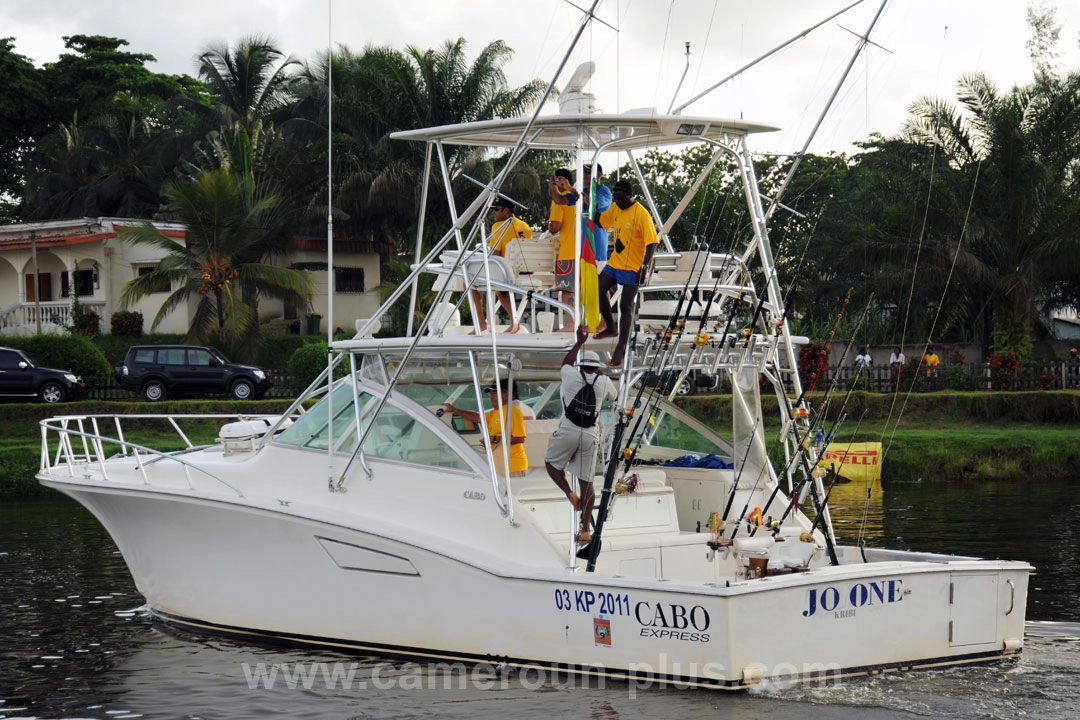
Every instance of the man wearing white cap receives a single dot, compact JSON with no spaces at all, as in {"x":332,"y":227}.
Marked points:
{"x":574,"y":444}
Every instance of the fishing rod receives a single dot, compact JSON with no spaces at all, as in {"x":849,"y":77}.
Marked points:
{"x":826,"y":397}
{"x":836,"y":473}
{"x":665,"y":343}
{"x":843,"y":355}
{"x":742,"y":466}
{"x":808,"y":481}
{"x":828,"y":345}
{"x":820,"y":417}
{"x":628,"y":454}
{"x":592,"y":549}
{"x":797,"y":490}
{"x":668,"y":343}
{"x":702,"y":337}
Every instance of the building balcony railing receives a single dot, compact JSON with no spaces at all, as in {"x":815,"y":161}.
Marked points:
{"x":24,"y":315}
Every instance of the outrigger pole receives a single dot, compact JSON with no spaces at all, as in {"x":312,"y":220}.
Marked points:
{"x":766,"y":56}
{"x":470,"y":212}
{"x":864,"y":39}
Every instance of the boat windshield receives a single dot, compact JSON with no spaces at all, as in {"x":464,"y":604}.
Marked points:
{"x":667,"y":430}
{"x":395,"y":436}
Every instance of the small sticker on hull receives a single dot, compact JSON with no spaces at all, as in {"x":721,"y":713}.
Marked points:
{"x":601,"y":632}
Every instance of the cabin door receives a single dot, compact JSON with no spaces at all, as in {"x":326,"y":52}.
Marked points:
{"x":973,"y":612}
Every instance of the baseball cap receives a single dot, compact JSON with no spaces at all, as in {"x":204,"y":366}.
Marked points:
{"x":504,"y":384}
{"x":501,"y":202}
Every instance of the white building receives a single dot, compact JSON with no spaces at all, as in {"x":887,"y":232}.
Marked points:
{"x":85,"y":258}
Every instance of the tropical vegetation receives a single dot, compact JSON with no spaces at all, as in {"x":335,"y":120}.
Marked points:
{"x":960,"y":227}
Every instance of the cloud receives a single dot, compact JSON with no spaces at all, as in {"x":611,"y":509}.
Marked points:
{"x":928,"y":44}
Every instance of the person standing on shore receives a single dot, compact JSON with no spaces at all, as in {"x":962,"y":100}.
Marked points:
{"x":896,"y":364}
{"x":932,"y":363}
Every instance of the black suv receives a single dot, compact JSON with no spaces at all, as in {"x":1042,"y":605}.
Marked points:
{"x":695,"y":380}
{"x":20,"y":378}
{"x":156,"y":371}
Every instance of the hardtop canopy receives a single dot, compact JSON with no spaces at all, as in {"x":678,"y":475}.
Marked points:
{"x":627,"y":131}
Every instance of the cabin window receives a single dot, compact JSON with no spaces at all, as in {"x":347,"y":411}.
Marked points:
{"x":666,"y":430}
{"x":348,"y":280}
{"x":396,"y":435}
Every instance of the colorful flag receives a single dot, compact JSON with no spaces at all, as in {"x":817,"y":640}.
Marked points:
{"x":855,"y":461}
{"x":590,"y":277}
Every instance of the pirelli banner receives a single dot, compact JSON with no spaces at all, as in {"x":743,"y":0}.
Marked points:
{"x":855,"y":461}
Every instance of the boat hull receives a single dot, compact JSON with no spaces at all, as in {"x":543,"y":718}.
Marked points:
{"x":215,"y":565}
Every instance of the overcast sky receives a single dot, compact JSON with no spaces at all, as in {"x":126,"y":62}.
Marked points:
{"x":925,"y":46}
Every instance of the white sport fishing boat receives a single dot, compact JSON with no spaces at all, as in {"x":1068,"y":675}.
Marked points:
{"x":389,"y":530}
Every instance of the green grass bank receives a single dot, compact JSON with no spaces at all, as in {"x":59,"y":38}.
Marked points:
{"x":945,"y":436}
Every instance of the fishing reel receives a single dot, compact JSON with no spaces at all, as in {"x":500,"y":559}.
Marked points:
{"x":716,"y":532}
{"x":753,"y":520}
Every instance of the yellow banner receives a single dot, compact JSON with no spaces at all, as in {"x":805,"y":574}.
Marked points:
{"x":855,"y":461}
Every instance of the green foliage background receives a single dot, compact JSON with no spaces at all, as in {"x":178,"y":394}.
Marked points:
{"x":64,"y":352}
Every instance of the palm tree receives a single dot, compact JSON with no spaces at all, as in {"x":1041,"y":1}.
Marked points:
{"x":110,"y":165}
{"x":383,"y":90}
{"x":983,"y":191}
{"x":229,"y":221}
{"x":250,"y":81}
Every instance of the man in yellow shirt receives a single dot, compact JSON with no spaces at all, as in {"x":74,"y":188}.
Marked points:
{"x":932,"y":362}
{"x":561,"y":220}
{"x":519,"y":461}
{"x":506,"y":228}
{"x":632,"y":243}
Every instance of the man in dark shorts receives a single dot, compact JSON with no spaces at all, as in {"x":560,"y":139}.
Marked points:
{"x":632,"y":242}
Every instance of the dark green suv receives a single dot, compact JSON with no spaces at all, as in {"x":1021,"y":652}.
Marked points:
{"x":158,"y":371}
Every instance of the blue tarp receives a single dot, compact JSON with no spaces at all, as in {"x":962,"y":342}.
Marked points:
{"x":701,"y":461}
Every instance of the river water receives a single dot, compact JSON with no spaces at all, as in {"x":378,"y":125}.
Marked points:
{"x":76,"y":643}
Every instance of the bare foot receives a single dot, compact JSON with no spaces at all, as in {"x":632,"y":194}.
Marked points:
{"x":605,"y":333}
{"x":616,"y":360}
{"x":584,"y":536}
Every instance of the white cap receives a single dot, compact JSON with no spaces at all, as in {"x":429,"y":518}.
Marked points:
{"x":588,"y":358}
